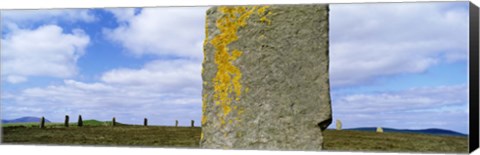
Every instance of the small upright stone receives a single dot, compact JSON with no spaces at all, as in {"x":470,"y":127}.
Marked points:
{"x":67,"y":119}
{"x":193,"y":123}
{"x":265,"y":77}
{"x":145,"y":122}
{"x":42,"y":122}
{"x":114,"y":122}
{"x":379,"y":130}
{"x":339,"y":124}
{"x":176,"y":123}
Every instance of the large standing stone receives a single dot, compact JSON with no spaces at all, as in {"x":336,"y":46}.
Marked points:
{"x":265,"y":77}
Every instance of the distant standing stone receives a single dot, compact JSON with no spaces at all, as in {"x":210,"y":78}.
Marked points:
{"x":42,"y":122}
{"x":339,"y":124}
{"x":379,"y":130}
{"x":67,"y":119}
{"x":80,"y":121}
{"x":265,"y":77}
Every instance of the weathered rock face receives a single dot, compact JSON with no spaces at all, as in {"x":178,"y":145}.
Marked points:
{"x":265,"y":77}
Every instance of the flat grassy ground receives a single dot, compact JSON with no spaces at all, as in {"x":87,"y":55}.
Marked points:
{"x":105,"y":135}
{"x":393,"y":142}
{"x":188,"y":137}
{"x":28,"y":124}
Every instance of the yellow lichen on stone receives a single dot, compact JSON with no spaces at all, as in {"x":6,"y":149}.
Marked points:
{"x":240,"y":111}
{"x":265,"y":20}
{"x":263,"y":16}
{"x":227,"y":81}
{"x":228,"y":76}
{"x":226,"y":109}
{"x":261,"y":10}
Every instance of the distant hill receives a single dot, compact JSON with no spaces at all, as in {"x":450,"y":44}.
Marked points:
{"x":24,"y":120}
{"x":432,"y":131}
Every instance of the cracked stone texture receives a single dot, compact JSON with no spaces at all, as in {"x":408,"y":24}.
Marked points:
{"x":285,"y":102}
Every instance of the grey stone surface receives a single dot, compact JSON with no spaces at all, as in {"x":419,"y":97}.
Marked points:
{"x":266,"y":80}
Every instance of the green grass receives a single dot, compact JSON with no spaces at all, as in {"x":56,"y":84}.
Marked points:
{"x":348,"y":140}
{"x":31,"y":125}
{"x":105,"y":135}
{"x":102,"y":133}
{"x":99,"y":123}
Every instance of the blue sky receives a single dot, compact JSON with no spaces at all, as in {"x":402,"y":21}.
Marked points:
{"x":401,"y":65}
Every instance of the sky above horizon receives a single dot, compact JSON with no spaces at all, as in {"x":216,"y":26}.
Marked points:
{"x":398,"y":65}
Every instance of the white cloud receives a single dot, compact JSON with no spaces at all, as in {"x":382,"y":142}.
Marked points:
{"x":16,"y":79}
{"x":412,"y":99}
{"x":162,"y":90}
{"x":416,"y":108}
{"x":45,"y":51}
{"x":22,"y":18}
{"x":383,"y":39}
{"x":166,"y":75}
{"x":122,"y":14}
{"x":177,"y":32}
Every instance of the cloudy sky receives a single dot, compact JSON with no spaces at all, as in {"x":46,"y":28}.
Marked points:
{"x":400,"y":65}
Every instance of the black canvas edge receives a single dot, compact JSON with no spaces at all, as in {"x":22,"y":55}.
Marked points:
{"x":473,"y":77}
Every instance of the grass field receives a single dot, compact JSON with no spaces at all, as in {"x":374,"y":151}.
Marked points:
{"x":393,"y":142}
{"x":101,"y":133}
{"x":105,"y":135}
